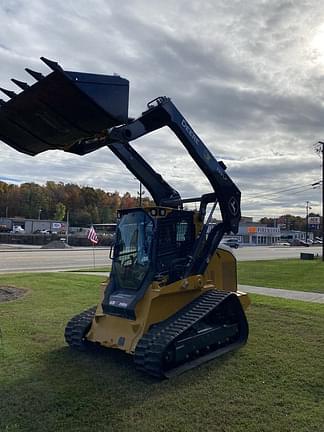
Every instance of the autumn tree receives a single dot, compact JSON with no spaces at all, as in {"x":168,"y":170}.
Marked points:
{"x":60,"y":211}
{"x":86,"y":205}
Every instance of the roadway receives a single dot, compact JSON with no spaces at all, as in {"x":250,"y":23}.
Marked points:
{"x":15,"y":259}
{"x":36,"y":259}
{"x":253,"y":253}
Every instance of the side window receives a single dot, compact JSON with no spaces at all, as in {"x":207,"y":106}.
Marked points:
{"x":182,"y":231}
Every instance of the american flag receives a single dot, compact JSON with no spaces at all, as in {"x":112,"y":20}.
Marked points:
{"x":92,"y":236}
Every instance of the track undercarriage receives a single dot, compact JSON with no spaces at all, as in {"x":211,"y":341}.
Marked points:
{"x":211,"y":325}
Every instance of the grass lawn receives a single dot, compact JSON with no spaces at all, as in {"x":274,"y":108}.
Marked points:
{"x":91,"y":269}
{"x":293,"y":274}
{"x":274,"y":383}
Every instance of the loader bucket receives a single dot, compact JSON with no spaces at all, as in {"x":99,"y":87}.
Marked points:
{"x":61,"y":109}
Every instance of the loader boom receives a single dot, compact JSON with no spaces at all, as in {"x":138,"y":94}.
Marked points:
{"x":162,"y":112}
{"x":162,"y":193}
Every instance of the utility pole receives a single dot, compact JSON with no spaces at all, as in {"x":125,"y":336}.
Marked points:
{"x":140,"y":193}
{"x":319,"y":148}
{"x":308,"y":207}
{"x":67,"y":226}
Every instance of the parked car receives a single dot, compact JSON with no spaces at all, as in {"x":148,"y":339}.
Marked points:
{"x":233,"y":243}
{"x":4,"y":229}
{"x":45,"y":231}
{"x":17,"y":229}
{"x":42,"y":231}
{"x":282,"y":243}
{"x":298,"y":242}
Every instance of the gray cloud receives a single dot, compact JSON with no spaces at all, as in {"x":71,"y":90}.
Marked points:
{"x":247,"y":76}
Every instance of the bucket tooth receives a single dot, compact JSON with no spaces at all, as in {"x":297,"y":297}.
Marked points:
{"x":62,"y":109}
{"x":20,"y":84}
{"x":51,"y":64}
{"x":37,"y":75}
{"x":9,"y":93}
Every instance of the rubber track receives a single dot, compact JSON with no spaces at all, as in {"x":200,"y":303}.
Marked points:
{"x":77,"y":328}
{"x":152,"y":346}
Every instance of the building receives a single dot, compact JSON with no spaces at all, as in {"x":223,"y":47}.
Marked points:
{"x":35,"y":225}
{"x":32,"y":226}
{"x":291,"y":235}
{"x":253,"y":233}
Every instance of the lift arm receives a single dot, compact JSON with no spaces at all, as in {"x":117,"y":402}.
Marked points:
{"x":162,"y":112}
{"x":162,"y":193}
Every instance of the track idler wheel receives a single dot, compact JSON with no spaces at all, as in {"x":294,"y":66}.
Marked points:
{"x":77,"y":328}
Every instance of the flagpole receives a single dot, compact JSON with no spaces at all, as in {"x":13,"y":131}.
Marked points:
{"x":94,"y":259}
{"x":92,"y":236}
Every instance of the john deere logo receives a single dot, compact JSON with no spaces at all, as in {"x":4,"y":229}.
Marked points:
{"x":233,"y":206}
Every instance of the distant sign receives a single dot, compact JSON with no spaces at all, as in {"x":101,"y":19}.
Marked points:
{"x":56,"y":225}
{"x":314,"y":220}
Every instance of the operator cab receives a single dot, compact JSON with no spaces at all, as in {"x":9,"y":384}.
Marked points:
{"x":151,"y":244}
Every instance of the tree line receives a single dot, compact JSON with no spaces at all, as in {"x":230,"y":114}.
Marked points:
{"x":85,"y":205}
{"x":288,"y":221}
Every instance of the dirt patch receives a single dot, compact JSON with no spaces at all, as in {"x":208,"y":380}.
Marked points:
{"x":8,"y":293}
{"x":56,"y":244}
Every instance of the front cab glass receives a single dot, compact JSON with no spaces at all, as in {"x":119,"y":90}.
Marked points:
{"x":133,"y":249}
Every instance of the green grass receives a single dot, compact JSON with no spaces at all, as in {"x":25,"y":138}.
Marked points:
{"x":274,"y":383}
{"x":292,"y":274}
{"x":91,"y":269}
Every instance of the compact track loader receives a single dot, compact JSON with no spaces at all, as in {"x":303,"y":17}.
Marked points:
{"x":171,"y":299}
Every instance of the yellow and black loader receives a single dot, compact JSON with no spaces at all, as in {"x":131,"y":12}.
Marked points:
{"x":171,"y":299}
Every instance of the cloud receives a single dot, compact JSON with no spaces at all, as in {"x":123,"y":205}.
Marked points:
{"x":248,"y":76}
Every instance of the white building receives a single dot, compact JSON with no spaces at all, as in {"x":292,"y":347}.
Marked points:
{"x":291,"y":235}
{"x":253,"y":233}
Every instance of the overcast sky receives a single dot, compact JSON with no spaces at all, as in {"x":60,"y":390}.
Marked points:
{"x":247,"y":75}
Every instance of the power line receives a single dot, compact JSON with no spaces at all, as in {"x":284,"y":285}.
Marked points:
{"x":312,"y":188}
{"x":288,"y":189}
{"x":276,"y":198}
